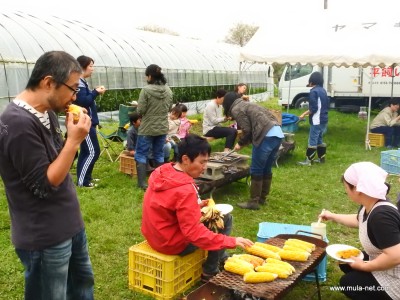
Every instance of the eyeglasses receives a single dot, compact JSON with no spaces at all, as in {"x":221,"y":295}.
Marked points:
{"x":74,"y":91}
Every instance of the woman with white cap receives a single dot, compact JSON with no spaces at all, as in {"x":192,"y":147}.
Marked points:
{"x":378,"y":222}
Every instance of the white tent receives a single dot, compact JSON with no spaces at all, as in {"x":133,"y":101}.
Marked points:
{"x":327,"y":39}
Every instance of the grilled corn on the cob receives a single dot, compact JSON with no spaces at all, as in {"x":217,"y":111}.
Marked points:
{"x":268,"y":246}
{"x":294,"y":255}
{"x":292,"y":247}
{"x":281,"y":271}
{"x":310,"y":245}
{"x":262,"y":252}
{"x":254,"y":260}
{"x":276,"y":261}
{"x":298,"y":245}
{"x":257,"y":277}
{"x":238,"y":266}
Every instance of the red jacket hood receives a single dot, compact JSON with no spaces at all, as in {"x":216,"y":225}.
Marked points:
{"x":166,"y":177}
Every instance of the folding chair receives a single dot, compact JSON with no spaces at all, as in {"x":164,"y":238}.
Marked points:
{"x":120,"y":134}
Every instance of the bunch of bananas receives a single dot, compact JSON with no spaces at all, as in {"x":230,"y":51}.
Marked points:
{"x":212,"y":217}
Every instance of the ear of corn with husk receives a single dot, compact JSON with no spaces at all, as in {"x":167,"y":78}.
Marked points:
{"x":268,"y":246}
{"x":281,"y":271}
{"x":238,"y":266}
{"x":254,"y":260}
{"x":212,"y":218}
{"x":276,"y":261}
{"x":262,"y":252}
{"x":310,"y":245}
{"x":294,"y":255}
{"x":258,"y":277}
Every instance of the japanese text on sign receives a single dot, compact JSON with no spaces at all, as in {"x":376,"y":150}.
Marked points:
{"x":385,"y":72}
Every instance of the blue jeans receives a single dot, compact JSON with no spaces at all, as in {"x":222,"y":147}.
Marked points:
{"x":211,"y":265}
{"x":263,"y":156}
{"x":61,"y":272}
{"x":145,"y":143}
{"x":316,"y":134}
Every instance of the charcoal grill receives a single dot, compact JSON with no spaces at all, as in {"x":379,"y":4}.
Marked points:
{"x":219,"y":164}
{"x":279,"y":287}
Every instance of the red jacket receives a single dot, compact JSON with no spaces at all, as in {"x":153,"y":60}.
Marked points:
{"x":171,"y":214}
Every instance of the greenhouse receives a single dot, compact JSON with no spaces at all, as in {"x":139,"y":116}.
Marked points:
{"x":120,"y":59}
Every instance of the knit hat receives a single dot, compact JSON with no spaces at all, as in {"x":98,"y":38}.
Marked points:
{"x":368,"y":179}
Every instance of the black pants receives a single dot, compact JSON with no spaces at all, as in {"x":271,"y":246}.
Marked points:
{"x":361,"y":285}
{"x":227,"y":132}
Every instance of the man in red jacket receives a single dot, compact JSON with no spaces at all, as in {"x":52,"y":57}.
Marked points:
{"x":171,"y":209}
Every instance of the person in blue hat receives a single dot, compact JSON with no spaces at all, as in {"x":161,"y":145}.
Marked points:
{"x":318,"y":118}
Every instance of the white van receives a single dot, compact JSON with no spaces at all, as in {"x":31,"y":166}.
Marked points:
{"x":345,"y":86}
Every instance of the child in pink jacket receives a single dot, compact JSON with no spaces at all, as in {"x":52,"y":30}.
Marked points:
{"x":184,"y":128}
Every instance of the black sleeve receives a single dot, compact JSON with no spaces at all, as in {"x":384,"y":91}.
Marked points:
{"x":384,"y":227}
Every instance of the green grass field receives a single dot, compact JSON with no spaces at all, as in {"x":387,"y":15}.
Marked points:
{"x":112,"y":211}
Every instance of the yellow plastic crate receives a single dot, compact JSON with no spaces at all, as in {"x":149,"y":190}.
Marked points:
{"x":376,"y":139}
{"x":162,"y":276}
{"x":127,"y":164}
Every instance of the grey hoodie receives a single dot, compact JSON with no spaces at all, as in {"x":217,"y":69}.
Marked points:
{"x":153,"y":105}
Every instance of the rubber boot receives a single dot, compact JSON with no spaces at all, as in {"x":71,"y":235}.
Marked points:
{"x":149,"y":168}
{"x":266,"y":186}
{"x":255,"y":193}
{"x":321,"y":151}
{"x":141,"y":169}
{"x":310,"y":155}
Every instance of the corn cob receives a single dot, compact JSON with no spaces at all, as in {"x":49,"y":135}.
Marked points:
{"x":268,"y":246}
{"x":284,"y":267}
{"x":239,"y":261}
{"x":292,"y":247}
{"x":299,"y":246}
{"x":276,"y":261}
{"x":310,"y":245}
{"x":238,"y":267}
{"x":294,"y":255}
{"x":254,"y":260}
{"x":257,"y":277}
{"x":262,"y":252}
{"x":275,"y":269}
{"x":211,"y":202}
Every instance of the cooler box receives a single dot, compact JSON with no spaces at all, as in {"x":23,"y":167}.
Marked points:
{"x":268,"y":230}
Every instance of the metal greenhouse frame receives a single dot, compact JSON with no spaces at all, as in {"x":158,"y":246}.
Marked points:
{"x":120,"y":60}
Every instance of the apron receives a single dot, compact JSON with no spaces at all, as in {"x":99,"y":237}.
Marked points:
{"x":390,"y":279}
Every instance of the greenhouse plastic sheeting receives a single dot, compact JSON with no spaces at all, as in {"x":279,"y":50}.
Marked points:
{"x":120,"y":59}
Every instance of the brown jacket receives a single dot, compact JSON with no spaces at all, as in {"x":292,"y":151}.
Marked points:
{"x":254,"y":120}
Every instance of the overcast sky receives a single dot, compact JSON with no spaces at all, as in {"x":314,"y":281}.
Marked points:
{"x":206,"y":19}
